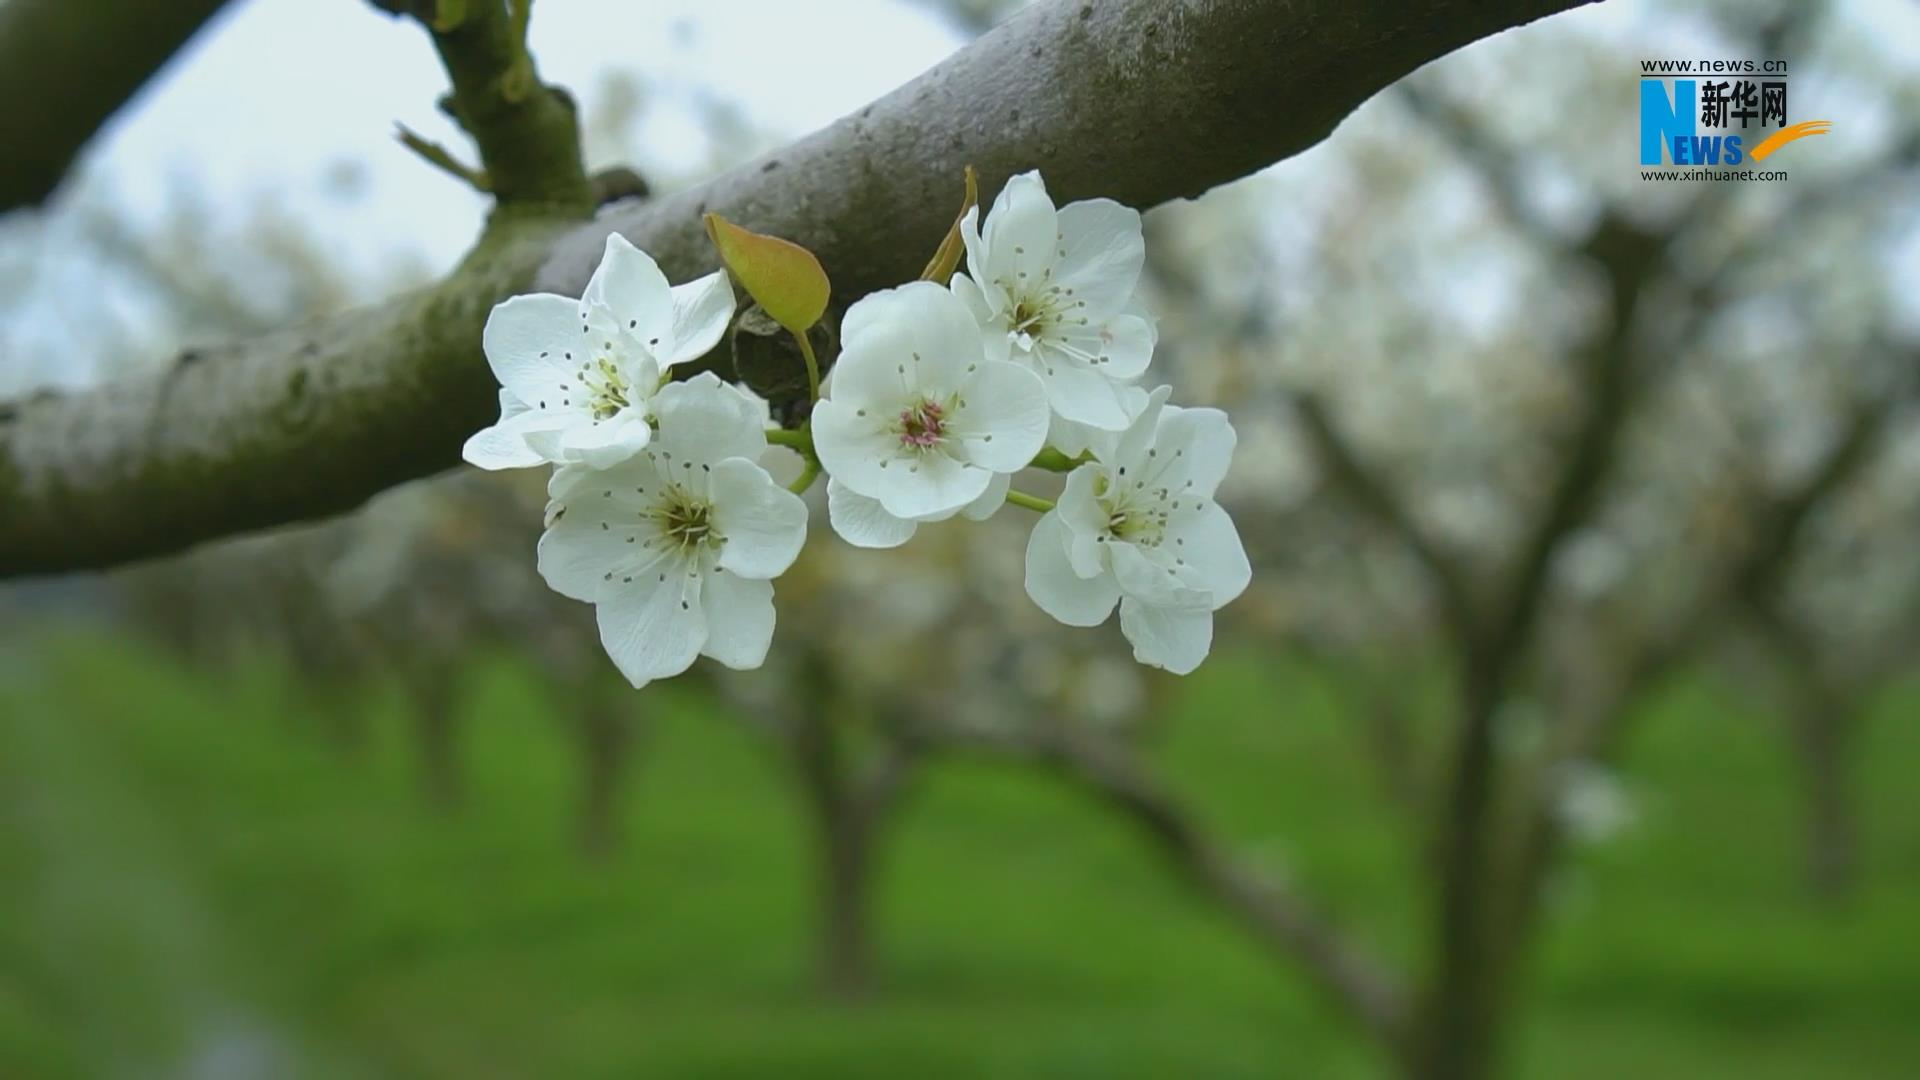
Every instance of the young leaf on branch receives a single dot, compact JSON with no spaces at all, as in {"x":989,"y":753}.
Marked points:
{"x":946,"y":258}
{"x":782,"y":277}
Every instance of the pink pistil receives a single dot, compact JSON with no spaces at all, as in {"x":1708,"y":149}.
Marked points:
{"x":920,"y":426}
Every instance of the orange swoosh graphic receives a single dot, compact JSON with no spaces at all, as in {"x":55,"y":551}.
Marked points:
{"x":1786,"y":135}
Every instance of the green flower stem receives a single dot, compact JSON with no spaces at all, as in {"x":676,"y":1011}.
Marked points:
{"x":809,"y":472}
{"x":813,"y":366}
{"x":1054,"y":461}
{"x":1031,"y":502}
{"x":801,"y":440}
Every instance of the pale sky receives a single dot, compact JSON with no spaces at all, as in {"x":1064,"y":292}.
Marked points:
{"x":271,"y":98}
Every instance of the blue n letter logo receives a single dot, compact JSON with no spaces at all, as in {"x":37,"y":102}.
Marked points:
{"x":1661,"y":119}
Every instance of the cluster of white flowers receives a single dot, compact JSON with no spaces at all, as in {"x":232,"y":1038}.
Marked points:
{"x":661,"y":516}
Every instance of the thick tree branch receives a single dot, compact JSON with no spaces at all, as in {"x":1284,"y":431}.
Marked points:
{"x":1350,"y":978}
{"x":65,"y":67}
{"x":1135,"y":99}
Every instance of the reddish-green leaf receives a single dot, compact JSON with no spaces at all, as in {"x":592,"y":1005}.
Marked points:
{"x":781,"y":276}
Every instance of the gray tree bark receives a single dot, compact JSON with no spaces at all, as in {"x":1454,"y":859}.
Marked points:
{"x":1140,"y":100}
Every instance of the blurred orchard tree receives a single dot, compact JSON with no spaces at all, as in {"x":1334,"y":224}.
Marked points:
{"x":1548,"y":496}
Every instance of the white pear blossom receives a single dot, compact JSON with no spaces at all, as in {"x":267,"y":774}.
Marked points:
{"x":676,"y":547}
{"x":1138,"y":526}
{"x":577,"y":376}
{"x":863,"y":522}
{"x":1076,"y":439}
{"x":1054,"y":290}
{"x":917,"y":419}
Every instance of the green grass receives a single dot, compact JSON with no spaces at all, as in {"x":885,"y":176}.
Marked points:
{"x":198,"y":881}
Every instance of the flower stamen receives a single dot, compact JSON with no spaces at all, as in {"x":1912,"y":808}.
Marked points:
{"x":685,"y":522}
{"x":922,"y":425}
{"x":606,"y":388}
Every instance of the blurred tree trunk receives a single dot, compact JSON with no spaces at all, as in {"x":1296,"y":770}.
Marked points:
{"x":607,"y":734}
{"x":333,"y":696}
{"x":1823,"y":722}
{"x":432,"y":697}
{"x":843,"y":835}
{"x":1462,"y":1014}
{"x":848,"y":802}
{"x":1822,"y":715}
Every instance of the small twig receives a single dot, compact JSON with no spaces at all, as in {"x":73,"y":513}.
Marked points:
{"x":1375,"y":497}
{"x":616,"y":183}
{"x":518,"y":81}
{"x":441,"y":158}
{"x":527,"y":132}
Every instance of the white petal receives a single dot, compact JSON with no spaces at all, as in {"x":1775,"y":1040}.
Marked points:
{"x":1124,"y":344}
{"x":1081,"y":394}
{"x":1084,"y":522}
{"x":764,"y":524}
{"x":702,"y":308}
{"x":1104,"y":254}
{"x":1206,"y":539}
{"x":854,"y":448}
{"x":1176,"y":639}
{"x":925,"y":486}
{"x":1074,"y":439}
{"x":704,"y":421}
{"x":547,"y":443}
{"x":976,"y":248}
{"x":990,"y":500}
{"x":629,"y":287}
{"x":1141,"y":434}
{"x":917,"y":339}
{"x":1192,"y":449}
{"x":968,"y":292}
{"x":1053,"y":584}
{"x":868,"y":373}
{"x":878,"y":312}
{"x":526,"y":340}
{"x":504,"y":445}
{"x":607,"y":443}
{"x":1155,"y":578}
{"x":653,"y":628}
{"x":1021,"y":236}
{"x":739,"y":619}
{"x":1002,"y":416}
{"x":980,"y":304}
{"x":579,"y":482}
{"x":575,"y":561}
{"x":592,"y":546}
{"x":862,"y":521}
